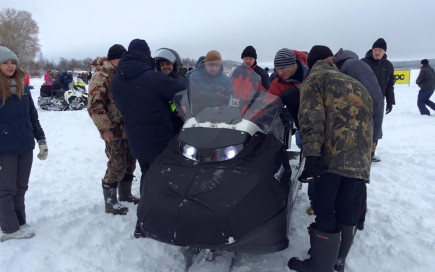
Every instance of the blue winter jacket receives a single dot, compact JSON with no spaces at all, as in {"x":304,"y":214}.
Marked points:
{"x":19,"y":125}
{"x":142,"y":95}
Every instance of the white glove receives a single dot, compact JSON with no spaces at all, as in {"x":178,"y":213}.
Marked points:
{"x":43,"y":149}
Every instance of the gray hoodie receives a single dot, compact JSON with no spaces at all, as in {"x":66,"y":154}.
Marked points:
{"x":349,"y":64}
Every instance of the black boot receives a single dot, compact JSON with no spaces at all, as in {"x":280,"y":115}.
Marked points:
{"x":111,"y":202}
{"x":347,"y":234}
{"x":124,"y":189}
{"x":324,"y":252}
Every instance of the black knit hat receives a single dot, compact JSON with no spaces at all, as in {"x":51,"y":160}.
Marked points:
{"x":318,"y":52}
{"x":115,"y":52}
{"x":284,"y":58}
{"x":380,"y":43}
{"x":249,"y":52}
{"x":424,"y":62}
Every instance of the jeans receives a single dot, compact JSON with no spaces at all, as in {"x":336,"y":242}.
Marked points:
{"x":423,"y":100}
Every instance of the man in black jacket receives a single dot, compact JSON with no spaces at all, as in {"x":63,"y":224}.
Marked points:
{"x":249,"y":57}
{"x":142,"y":94}
{"x":426,"y":82}
{"x":384,"y":72}
{"x":169,"y":62}
{"x":383,"y":69}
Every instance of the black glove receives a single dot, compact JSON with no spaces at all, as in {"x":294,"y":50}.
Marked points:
{"x":311,"y":170}
{"x":389,"y":108}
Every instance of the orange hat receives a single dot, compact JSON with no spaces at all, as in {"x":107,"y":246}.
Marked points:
{"x":213,"y":55}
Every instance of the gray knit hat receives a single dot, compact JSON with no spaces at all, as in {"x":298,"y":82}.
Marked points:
{"x":284,"y":58}
{"x":7,"y":54}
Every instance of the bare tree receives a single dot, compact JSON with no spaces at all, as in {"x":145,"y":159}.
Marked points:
{"x":19,"y":32}
{"x":63,"y":65}
{"x":86,"y":64}
{"x":74,"y":64}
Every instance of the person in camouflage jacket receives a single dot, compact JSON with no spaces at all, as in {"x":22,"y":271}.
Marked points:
{"x":336,"y":123}
{"x":108,"y":120}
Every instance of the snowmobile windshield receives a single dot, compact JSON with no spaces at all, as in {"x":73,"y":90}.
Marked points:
{"x":215,"y":100}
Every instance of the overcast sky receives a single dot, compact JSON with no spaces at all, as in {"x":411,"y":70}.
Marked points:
{"x":79,"y":29}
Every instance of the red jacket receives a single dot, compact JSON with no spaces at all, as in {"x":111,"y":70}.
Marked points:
{"x":27,"y":78}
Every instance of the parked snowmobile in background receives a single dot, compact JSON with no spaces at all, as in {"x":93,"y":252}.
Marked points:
{"x":77,"y":98}
{"x":52,"y":97}
{"x":222,"y":184}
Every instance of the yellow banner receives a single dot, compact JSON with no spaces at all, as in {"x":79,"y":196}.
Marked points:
{"x":402,"y":76}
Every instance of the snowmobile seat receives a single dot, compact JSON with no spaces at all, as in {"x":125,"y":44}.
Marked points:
{"x":46,"y":91}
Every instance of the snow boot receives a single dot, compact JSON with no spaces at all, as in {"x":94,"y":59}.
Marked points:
{"x":25,"y":232}
{"x":374,"y":158}
{"x":124,"y":189}
{"x":111,"y":202}
{"x":347,"y":234}
{"x":324,"y":252}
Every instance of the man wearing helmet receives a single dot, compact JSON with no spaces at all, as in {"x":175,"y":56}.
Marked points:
{"x":169,"y":62}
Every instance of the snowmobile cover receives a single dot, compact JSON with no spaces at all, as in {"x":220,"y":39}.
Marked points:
{"x":232,"y":203}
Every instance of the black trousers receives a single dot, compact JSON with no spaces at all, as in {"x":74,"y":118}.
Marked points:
{"x":334,"y":201}
{"x":14,"y":180}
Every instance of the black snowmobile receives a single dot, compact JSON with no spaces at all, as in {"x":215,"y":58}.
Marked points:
{"x":225,"y":182}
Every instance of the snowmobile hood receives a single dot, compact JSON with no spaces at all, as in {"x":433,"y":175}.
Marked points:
{"x":343,"y":55}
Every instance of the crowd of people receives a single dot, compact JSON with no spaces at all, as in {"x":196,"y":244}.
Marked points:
{"x":336,"y":102}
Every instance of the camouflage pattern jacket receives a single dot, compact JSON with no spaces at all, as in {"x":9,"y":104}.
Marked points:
{"x":336,"y":121}
{"x":101,"y":104}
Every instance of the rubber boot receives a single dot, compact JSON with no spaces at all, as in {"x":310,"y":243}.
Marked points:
{"x":347,"y":234}
{"x":111,"y":201}
{"x":124,"y":189}
{"x":324,"y":252}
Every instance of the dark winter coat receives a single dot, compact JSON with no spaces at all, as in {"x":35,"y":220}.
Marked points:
{"x":426,"y":78}
{"x":349,"y":63}
{"x":209,"y":90}
{"x":289,"y":90}
{"x":336,"y":122}
{"x":384,"y":72}
{"x":65,"y":79}
{"x":180,"y":78}
{"x":211,"y":84}
{"x":177,"y":121}
{"x":19,"y":125}
{"x":142,"y":95}
{"x":264,"y":76}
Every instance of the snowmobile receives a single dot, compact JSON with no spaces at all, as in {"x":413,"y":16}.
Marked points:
{"x":224,"y":183}
{"x":77,"y":98}
{"x":56,"y":99}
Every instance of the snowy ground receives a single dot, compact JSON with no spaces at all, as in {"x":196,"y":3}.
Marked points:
{"x":73,"y":233}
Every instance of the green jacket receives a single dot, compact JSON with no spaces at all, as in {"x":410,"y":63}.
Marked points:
{"x":336,"y":121}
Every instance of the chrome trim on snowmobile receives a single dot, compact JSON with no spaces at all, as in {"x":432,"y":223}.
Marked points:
{"x":243,"y":125}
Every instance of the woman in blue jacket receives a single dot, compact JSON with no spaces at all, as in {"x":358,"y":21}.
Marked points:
{"x":19,"y":126}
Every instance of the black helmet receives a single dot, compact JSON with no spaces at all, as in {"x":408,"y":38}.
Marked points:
{"x":169,"y":55}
